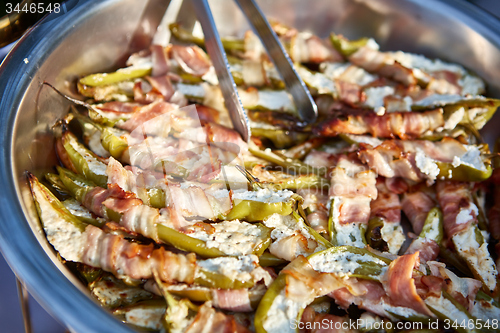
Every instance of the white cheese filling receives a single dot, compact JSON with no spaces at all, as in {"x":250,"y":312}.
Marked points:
{"x":350,"y":233}
{"x":264,"y":195}
{"x":341,"y":263}
{"x":476,"y":255}
{"x":426,"y":165}
{"x":282,"y":314}
{"x":242,"y":268}
{"x":472,"y":158}
{"x":446,"y":307}
{"x":392,"y":234}
{"x":231,"y":237}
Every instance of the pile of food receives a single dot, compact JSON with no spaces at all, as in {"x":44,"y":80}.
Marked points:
{"x":176,"y":224}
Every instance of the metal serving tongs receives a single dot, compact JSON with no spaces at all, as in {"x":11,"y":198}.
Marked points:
{"x":306,"y":107}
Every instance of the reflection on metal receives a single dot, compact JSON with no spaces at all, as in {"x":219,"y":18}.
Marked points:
{"x":24,"y":301}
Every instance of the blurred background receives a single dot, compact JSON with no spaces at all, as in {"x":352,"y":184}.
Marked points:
{"x":11,"y":319}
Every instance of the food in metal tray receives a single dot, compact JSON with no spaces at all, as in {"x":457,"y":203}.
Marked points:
{"x":176,"y":224}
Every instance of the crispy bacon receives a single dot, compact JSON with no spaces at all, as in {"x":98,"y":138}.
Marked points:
{"x":382,"y":63}
{"x":159,"y":59}
{"x":126,"y":259}
{"x":452,"y":197}
{"x":351,"y":179}
{"x":396,"y":158}
{"x":232,"y":299}
{"x":95,"y":198}
{"x":396,"y":185}
{"x":387,"y":204}
{"x":428,"y":249}
{"x":208,"y":114}
{"x":144,"y":94}
{"x":192,"y":59}
{"x":141,"y":219}
{"x":191,"y":201}
{"x":119,"y":107}
{"x":316,"y":321}
{"x":311,"y":49}
{"x":162,"y":85}
{"x":405,"y":125}
{"x":349,"y":93}
{"x":354,"y":187}
{"x":416,"y":206}
{"x":209,"y":320}
{"x":371,"y":298}
{"x":400,"y":286}
{"x":156,"y":111}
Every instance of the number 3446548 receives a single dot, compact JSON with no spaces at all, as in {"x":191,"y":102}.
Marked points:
{"x":39,"y":8}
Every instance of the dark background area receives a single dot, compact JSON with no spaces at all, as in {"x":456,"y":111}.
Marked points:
{"x":11,"y":320}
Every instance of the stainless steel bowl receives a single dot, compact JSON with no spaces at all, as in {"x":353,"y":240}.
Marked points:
{"x":98,"y":35}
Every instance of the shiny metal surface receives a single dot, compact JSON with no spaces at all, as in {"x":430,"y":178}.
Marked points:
{"x":306,"y":106}
{"x":99,"y":35}
{"x":218,"y":57}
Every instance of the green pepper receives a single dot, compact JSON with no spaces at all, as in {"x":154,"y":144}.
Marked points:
{"x":449,"y":315}
{"x":57,"y":184}
{"x":356,"y":234}
{"x":154,"y":308}
{"x":463,"y":172}
{"x":266,"y":302}
{"x":454,"y":260}
{"x":430,"y":226}
{"x":267,"y":259}
{"x":293,"y":166}
{"x":479,"y":261}
{"x":317,"y":82}
{"x":367,"y":269}
{"x":84,"y":160}
{"x":489,"y":105}
{"x":88,"y":273}
{"x":373,"y":234}
{"x":211,"y":279}
{"x":347,"y":47}
{"x":124,"y":74}
{"x":43,"y":199}
{"x":252,"y":211}
{"x":229,"y":44}
{"x":113,"y":292}
{"x":279,"y":137}
{"x":191,"y":244}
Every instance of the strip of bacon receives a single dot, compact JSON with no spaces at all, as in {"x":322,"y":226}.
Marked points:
{"x":428,"y":249}
{"x":375,"y":61}
{"x":209,"y":320}
{"x":192,"y":59}
{"x":387,"y":204}
{"x":416,"y":206}
{"x":405,"y":125}
{"x":126,"y":259}
{"x":159,"y":59}
{"x":400,"y":286}
{"x":454,"y":197}
{"x":352,"y":188}
{"x":396,"y":158}
{"x":232,"y":299}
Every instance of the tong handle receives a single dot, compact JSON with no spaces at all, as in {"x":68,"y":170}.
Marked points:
{"x":219,"y":60}
{"x":307,"y":108}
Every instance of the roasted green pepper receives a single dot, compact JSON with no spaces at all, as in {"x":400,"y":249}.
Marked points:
{"x":84,"y":160}
{"x":124,"y":74}
{"x":347,"y":47}
{"x":191,"y":244}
